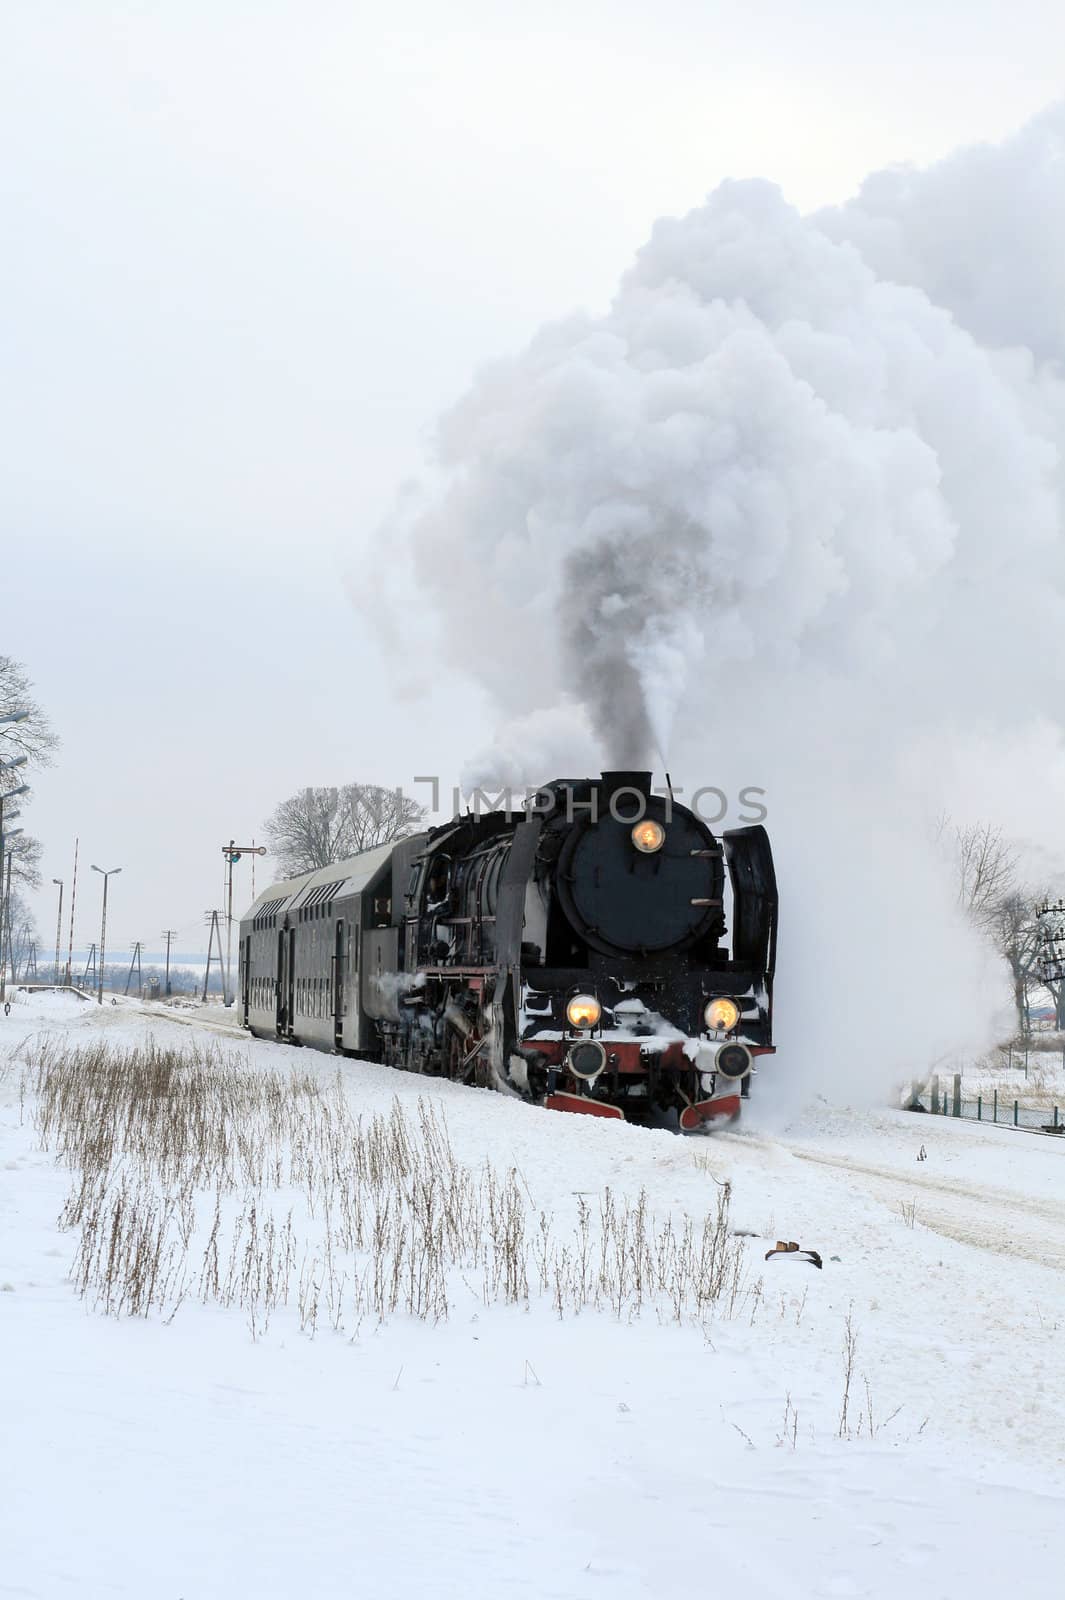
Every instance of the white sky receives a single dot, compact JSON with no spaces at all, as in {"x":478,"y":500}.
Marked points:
{"x":250,"y":251}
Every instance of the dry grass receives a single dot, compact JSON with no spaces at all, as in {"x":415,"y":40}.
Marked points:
{"x":196,"y":1176}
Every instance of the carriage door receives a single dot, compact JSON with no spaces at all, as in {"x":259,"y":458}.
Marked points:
{"x":290,"y":973}
{"x":338,"y":986}
{"x":246,"y":975}
{"x":281,"y":984}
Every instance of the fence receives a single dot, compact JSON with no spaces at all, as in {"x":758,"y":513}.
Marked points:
{"x":947,"y":1100}
{"x":1016,"y":1057}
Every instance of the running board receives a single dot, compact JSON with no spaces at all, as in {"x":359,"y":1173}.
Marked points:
{"x":723,"y":1109}
{"x":562,"y":1101}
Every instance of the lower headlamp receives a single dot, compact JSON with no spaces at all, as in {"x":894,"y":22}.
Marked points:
{"x":587,"y":1058}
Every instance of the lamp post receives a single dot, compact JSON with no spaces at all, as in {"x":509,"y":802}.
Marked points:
{"x":110,"y":873}
{"x":58,"y":928}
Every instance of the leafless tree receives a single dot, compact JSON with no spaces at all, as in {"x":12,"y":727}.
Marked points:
{"x":1018,"y":939}
{"x":20,"y":935}
{"x":985,"y":867}
{"x":318,"y":826}
{"x":33,"y":737}
{"x":25,"y":853}
{"x":373,"y":816}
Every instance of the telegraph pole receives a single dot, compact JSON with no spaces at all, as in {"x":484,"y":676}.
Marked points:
{"x":58,"y":927}
{"x":233,"y":853}
{"x":73,"y":900}
{"x":135,"y":961}
{"x":168,"y":934}
{"x":110,"y":873}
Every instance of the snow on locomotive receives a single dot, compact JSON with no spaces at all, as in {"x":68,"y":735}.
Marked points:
{"x":577,"y":954}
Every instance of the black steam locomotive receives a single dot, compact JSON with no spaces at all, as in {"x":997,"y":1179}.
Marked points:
{"x":576,"y":954}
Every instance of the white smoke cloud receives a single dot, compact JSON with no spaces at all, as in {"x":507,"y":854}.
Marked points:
{"x":983,"y":233}
{"x":789,"y":511}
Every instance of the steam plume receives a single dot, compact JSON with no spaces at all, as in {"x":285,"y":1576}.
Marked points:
{"x":795,"y":500}
{"x":764,"y":453}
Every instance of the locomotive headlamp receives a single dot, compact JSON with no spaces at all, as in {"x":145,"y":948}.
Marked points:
{"x":733,"y":1061}
{"x":587,"y":1059}
{"x":583,"y":1011}
{"x":721,"y":1015}
{"x":648,"y":836}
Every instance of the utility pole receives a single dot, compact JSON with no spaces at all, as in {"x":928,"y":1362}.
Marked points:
{"x":31,"y":962}
{"x":136,"y":962}
{"x":58,"y":928}
{"x":90,"y":961}
{"x":110,"y":873}
{"x":168,"y":934}
{"x":233,"y":853}
{"x":73,"y":900}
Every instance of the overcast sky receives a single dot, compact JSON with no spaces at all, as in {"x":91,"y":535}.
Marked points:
{"x":249,"y":254}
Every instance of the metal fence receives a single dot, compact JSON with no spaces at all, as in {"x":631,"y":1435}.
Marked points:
{"x":944,"y":1097}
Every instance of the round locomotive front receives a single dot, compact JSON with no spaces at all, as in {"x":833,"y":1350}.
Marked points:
{"x":632,"y":999}
{"x":644,"y":877}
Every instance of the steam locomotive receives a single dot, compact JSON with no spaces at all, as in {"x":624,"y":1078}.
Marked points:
{"x":576,"y":954}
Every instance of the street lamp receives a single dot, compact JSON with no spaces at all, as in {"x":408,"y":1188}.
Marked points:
{"x":110,"y":873}
{"x":58,"y":929}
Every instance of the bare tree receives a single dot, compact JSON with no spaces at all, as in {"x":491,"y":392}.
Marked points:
{"x":20,"y":935}
{"x":987,"y":866}
{"x":1018,"y":939}
{"x":376,"y":816}
{"x":25,"y":853}
{"x":304,"y":832}
{"x":984,"y":864}
{"x":33,"y":736}
{"x":318,"y":826}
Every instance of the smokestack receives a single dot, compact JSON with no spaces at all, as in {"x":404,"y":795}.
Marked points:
{"x":612,"y":782}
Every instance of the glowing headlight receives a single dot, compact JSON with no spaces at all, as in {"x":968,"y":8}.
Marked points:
{"x":648,"y":836}
{"x":721,"y":1015}
{"x":583,"y":1011}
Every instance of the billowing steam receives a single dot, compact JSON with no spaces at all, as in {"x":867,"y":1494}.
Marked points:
{"x":790,"y":513}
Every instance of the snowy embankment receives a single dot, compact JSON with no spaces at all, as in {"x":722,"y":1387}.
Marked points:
{"x":598,"y":1398}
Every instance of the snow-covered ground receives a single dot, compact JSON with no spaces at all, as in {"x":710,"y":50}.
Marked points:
{"x":508,"y":1452}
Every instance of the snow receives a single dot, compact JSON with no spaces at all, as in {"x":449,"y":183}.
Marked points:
{"x":506,"y":1452}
